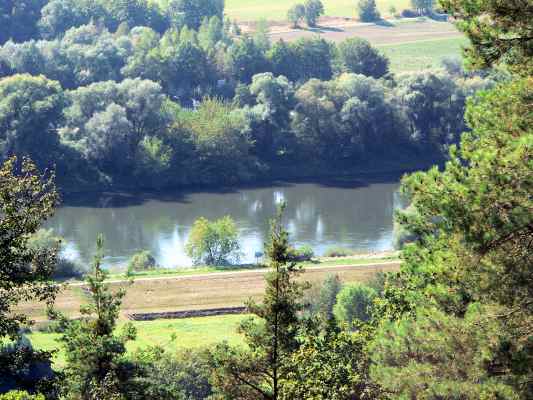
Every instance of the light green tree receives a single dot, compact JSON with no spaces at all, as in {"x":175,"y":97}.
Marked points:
{"x":213,"y":242}
{"x":354,"y":304}
{"x":295,"y":14}
{"x":367,"y":11}
{"x":313,"y":10}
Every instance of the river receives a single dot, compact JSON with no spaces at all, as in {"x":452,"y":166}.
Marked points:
{"x":349,"y":214}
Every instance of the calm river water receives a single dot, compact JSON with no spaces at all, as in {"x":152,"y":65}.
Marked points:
{"x":353,"y":215}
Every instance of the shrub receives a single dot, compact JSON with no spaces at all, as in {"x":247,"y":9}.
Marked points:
{"x":166,"y":376}
{"x":64,"y":268}
{"x":338,"y":252}
{"x":354,"y":303}
{"x":303,"y":253}
{"x":142,"y":261}
{"x":367,"y":11}
{"x":213,"y":243}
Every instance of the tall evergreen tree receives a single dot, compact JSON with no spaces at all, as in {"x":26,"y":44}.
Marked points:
{"x":271,"y":335}
{"x":96,"y":368}
{"x":466,"y":283}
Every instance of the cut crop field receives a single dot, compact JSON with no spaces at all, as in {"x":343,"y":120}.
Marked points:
{"x":196,"y":292}
{"x":252,"y":10}
{"x":398,"y":33}
{"x":188,"y":333}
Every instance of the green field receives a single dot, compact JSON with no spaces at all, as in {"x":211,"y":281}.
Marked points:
{"x":422,"y":55}
{"x":189,"y":333}
{"x":251,"y":10}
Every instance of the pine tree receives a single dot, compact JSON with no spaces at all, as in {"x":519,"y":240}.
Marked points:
{"x":271,"y":335}
{"x":96,"y":368}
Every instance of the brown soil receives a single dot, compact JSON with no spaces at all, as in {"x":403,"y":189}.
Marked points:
{"x":199,"y":292}
{"x":376,"y":34}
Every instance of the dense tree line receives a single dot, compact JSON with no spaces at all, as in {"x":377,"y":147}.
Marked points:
{"x":132,"y":134}
{"x":161,"y":94}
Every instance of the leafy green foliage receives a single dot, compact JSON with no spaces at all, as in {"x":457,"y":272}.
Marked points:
{"x":327,"y":297}
{"x":142,"y":261}
{"x":27,"y":199}
{"x":295,"y":14}
{"x":18,"y":19}
{"x":313,"y":10}
{"x":336,"y":251}
{"x":359,"y":57}
{"x":367,"y":11}
{"x":213,"y":243}
{"x":96,"y":367}
{"x":167,"y":376}
{"x":23,"y":368}
{"x":354,"y":304}
{"x":18,"y":395}
{"x":326,"y":367}
{"x":28,"y":104}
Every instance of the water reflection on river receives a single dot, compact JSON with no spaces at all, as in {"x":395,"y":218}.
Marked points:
{"x":350,"y":215}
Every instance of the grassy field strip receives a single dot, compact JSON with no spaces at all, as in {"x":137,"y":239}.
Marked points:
{"x":422,"y":54}
{"x":205,"y":291}
{"x":189,"y":333}
{"x":252,"y":10}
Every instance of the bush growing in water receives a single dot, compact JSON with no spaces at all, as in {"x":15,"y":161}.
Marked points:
{"x":142,"y":261}
{"x":213,"y":242}
{"x":354,"y":303}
